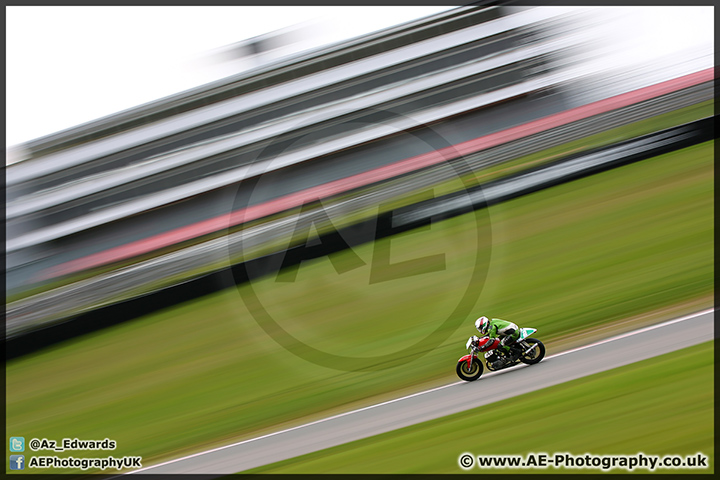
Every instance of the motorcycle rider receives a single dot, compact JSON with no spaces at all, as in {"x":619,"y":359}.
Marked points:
{"x":508,"y":332}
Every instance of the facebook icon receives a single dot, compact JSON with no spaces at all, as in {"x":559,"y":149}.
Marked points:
{"x":17,"y":462}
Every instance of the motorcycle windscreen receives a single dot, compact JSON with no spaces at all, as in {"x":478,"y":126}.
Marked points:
{"x":526,"y":332}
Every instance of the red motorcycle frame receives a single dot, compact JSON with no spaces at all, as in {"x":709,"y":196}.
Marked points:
{"x":484,"y":344}
{"x":526,"y":349}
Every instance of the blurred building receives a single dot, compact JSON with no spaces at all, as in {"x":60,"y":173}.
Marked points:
{"x":263,"y":49}
{"x":122,"y":187}
{"x":164,"y":164}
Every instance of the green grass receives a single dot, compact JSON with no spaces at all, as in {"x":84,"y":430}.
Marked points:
{"x":660,"y":406}
{"x":204,"y":373}
{"x":641,"y":127}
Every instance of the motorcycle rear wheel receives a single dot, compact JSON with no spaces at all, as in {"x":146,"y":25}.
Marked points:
{"x":471,"y":374}
{"x":536,"y":354}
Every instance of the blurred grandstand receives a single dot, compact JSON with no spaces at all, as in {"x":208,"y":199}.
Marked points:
{"x":148,"y":197}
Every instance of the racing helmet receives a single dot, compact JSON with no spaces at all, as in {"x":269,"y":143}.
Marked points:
{"x":482,"y":324}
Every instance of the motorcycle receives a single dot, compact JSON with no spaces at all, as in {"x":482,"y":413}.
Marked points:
{"x":526,"y":349}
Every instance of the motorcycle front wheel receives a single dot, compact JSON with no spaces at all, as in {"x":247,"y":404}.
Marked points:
{"x":536,"y":354}
{"x":469,"y":374}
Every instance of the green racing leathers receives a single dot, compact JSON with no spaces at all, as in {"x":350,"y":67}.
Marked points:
{"x":508,"y":332}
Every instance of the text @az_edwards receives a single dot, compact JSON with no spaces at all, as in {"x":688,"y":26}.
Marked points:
{"x":66,"y":444}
